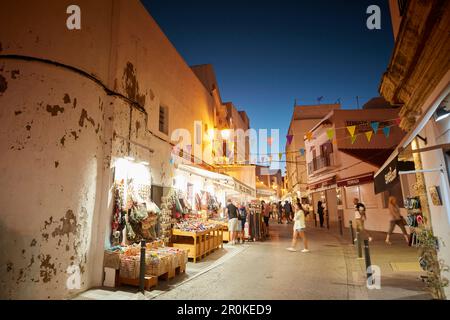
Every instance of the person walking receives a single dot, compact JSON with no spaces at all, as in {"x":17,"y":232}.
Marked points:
{"x":360,"y":218}
{"x":267,"y":207}
{"x":287,"y":211}
{"x":232,"y":212}
{"x":299,"y":229}
{"x":280,"y":213}
{"x":320,"y":212}
{"x":396,"y":219}
{"x":243,"y":220}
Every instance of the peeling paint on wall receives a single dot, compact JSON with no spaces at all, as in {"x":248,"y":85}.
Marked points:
{"x":14,"y":74}
{"x":66,"y":98}
{"x":84,"y":116}
{"x":47,"y":269}
{"x":3,"y":84}
{"x":131,"y":85}
{"x":69,"y":225}
{"x":53,"y":110}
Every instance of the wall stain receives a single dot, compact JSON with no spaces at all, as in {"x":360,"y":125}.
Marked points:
{"x":53,"y":110}
{"x":138,"y":126}
{"x":45,"y":236}
{"x":74,"y":134}
{"x":9,"y":266}
{"x":17,"y":112}
{"x":63,"y":140}
{"x":56,"y":164}
{"x":131,"y":85}
{"x":14,"y":74}
{"x":48,"y":223}
{"x":28,"y":127}
{"x":3,"y":84}
{"x":33,"y":243}
{"x":48,"y":269}
{"x":84,"y":116}
{"x":74,"y":103}
{"x":66,"y":98}
{"x":69,"y":225}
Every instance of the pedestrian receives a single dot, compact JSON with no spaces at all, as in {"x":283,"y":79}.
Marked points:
{"x":320,"y":212}
{"x":360,"y":218}
{"x":243,"y":220}
{"x":299,"y":229}
{"x":232,"y":221}
{"x":267,"y":207}
{"x":280,"y":213}
{"x":287,"y":211}
{"x":396,"y":219}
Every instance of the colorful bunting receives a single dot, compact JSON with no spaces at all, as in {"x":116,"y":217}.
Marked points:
{"x":375,"y":126}
{"x":369,"y":135}
{"x":351,"y":130}
{"x":280,"y":156}
{"x":309,"y":136}
{"x":330,"y":134}
{"x":269,"y":141}
{"x":353,"y":139}
{"x":289,"y":138}
{"x":302,"y":152}
{"x":397,"y":121}
{"x":387,"y":131}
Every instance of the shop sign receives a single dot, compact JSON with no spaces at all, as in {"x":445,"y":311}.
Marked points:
{"x":354,"y":181}
{"x":323,"y":183}
{"x":389,"y":177}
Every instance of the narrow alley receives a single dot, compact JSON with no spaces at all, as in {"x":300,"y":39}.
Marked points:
{"x":331,"y":271}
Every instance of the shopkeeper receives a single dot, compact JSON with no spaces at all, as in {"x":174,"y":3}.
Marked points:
{"x":232,"y":220}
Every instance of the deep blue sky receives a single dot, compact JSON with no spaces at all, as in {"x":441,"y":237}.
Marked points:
{"x":266,"y":54}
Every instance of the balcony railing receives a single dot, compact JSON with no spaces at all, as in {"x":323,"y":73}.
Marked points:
{"x":320,"y":162}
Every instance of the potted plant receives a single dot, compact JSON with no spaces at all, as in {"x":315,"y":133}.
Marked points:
{"x":429,"y":261}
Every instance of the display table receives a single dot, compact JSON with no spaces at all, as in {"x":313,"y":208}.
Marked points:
{"x":199,"y":244}
{"x":224,"y":227}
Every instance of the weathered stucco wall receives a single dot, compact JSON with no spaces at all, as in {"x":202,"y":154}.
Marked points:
{"x":61,"y":128}
{"x":52,"y":145}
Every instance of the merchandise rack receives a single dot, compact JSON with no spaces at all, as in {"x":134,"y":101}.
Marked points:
{"x":199,"y":244}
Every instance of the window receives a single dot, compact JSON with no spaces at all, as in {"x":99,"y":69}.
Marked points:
{"x":164,"y":120}
{"x":364,"y":193}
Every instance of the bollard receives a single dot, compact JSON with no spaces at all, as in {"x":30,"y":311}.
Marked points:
{"x":351,"y":231}
{"x":359,"y":244}
{"x":367,"y":256}
{"x":142,"y":268}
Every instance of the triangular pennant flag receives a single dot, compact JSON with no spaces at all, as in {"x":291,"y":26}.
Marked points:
{"x":375,"y":126}
{"x":269,"y":141}
{"x":280,"y":156}
{"x":369,"y":135}
{"x":387,"y":131}
{"x":330,"y":134}
{"x":353,"y":139}
{"x":302,"y":152}
{"x":398,"y":120}
{"x":171,"y":161}
{"x":351,"y":130}
{"x":289,"y":138}
{"x":309,"y":136}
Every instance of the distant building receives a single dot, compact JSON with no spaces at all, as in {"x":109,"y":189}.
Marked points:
{"x":339,"y":170}
{"x":304,"y":118}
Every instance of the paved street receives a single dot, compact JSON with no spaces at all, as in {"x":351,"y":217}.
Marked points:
{"x":266,"y":270}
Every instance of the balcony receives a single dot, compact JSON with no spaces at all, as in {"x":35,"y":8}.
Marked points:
{"x":321,"y":163}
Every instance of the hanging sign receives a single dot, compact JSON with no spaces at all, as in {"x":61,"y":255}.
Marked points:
{"x":330,"y":134}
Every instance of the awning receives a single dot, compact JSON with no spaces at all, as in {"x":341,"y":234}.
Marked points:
{"x":322,"y":183}
{"x":243,"y":188}
{"x":356,"y":180}
{"x":415,"y":131}
{"x":389,"y":176}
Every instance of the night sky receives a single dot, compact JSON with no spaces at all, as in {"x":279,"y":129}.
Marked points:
{"x":266,"y":54}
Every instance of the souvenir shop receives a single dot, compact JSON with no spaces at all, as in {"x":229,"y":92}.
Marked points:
{"x":420,"y":165}
{"x":136,"y":218}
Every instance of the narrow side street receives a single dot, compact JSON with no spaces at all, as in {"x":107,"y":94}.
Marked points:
{"x":331,"y":271}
